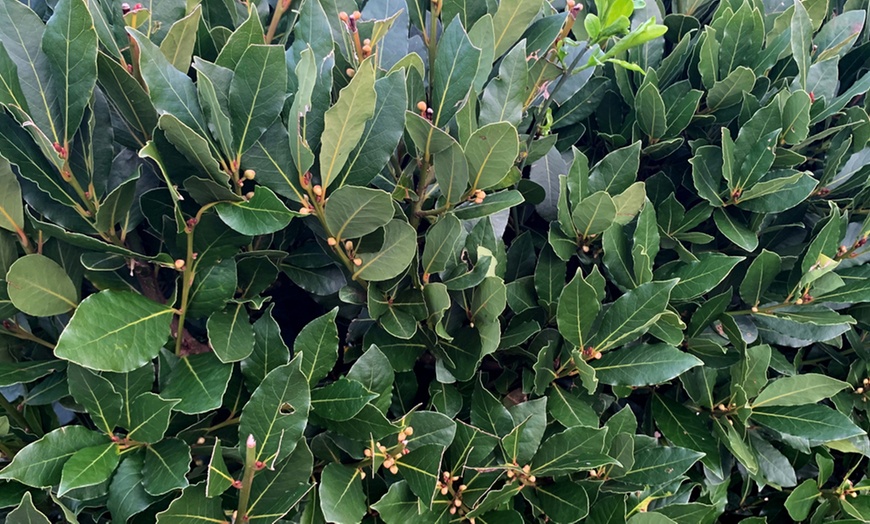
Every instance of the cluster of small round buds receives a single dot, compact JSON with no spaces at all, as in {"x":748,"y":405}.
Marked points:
{"x":478,"y":196}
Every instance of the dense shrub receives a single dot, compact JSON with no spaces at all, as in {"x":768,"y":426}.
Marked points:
{"x":468,"y":260}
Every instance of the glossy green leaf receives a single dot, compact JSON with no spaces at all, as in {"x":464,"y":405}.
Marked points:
{"x":89,"y":467}
{"x":760,"y":275}
{"x":809,"y":388}
{"x":511,"y":20}
{"x":115,"y":331}
{"x":96,"y":394}
{"x":391,"y":258}
{"x":632,"y":314}
{"x":230,"y":334}
{"x":353,"y":212}
{"x":191,"y":507}
{"x":340,"y":400}
{"x":277,"y":413}
{"x":39,"y":286}
{"x":643,"y":365}
{"x":40,"y":463}
{"x":453,"y":72}
{"x":575,"y":449}
{"x":178,"y":44}
{"x":341,"y":494}
{"x":811,"y":421}
{"x":149,"y":417}
{"x":578,"y":308}
{"x":257,"y":93}
{"x":345,"y":123}
{"x":198,"y":382}
{"x":261,"y":214}
{"x":166,"y":465}
{"x":318,"y":345}
{"x":26,"y":513}
{"x":491,"y":151}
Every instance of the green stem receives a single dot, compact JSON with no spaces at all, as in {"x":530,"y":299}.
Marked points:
{"x":16,"y":331}
{"x":16,"y":415}
{"x":422,"y":186}
{"x":247,"y":480}
{"x":225,"y":423}
{"x":338,"y":248}
{"x":432,"y":41}
{"x":188,"y":275}
{"x":280,"y":8}
{"x":542,"y":110}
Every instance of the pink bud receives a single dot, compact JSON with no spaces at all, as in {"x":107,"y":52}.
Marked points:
{"x":251,"y":443}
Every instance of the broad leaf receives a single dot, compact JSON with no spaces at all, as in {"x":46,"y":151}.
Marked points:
{"x":115,"y":331}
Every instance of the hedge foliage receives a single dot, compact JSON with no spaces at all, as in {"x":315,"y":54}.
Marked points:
{"x":434,"y":261}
